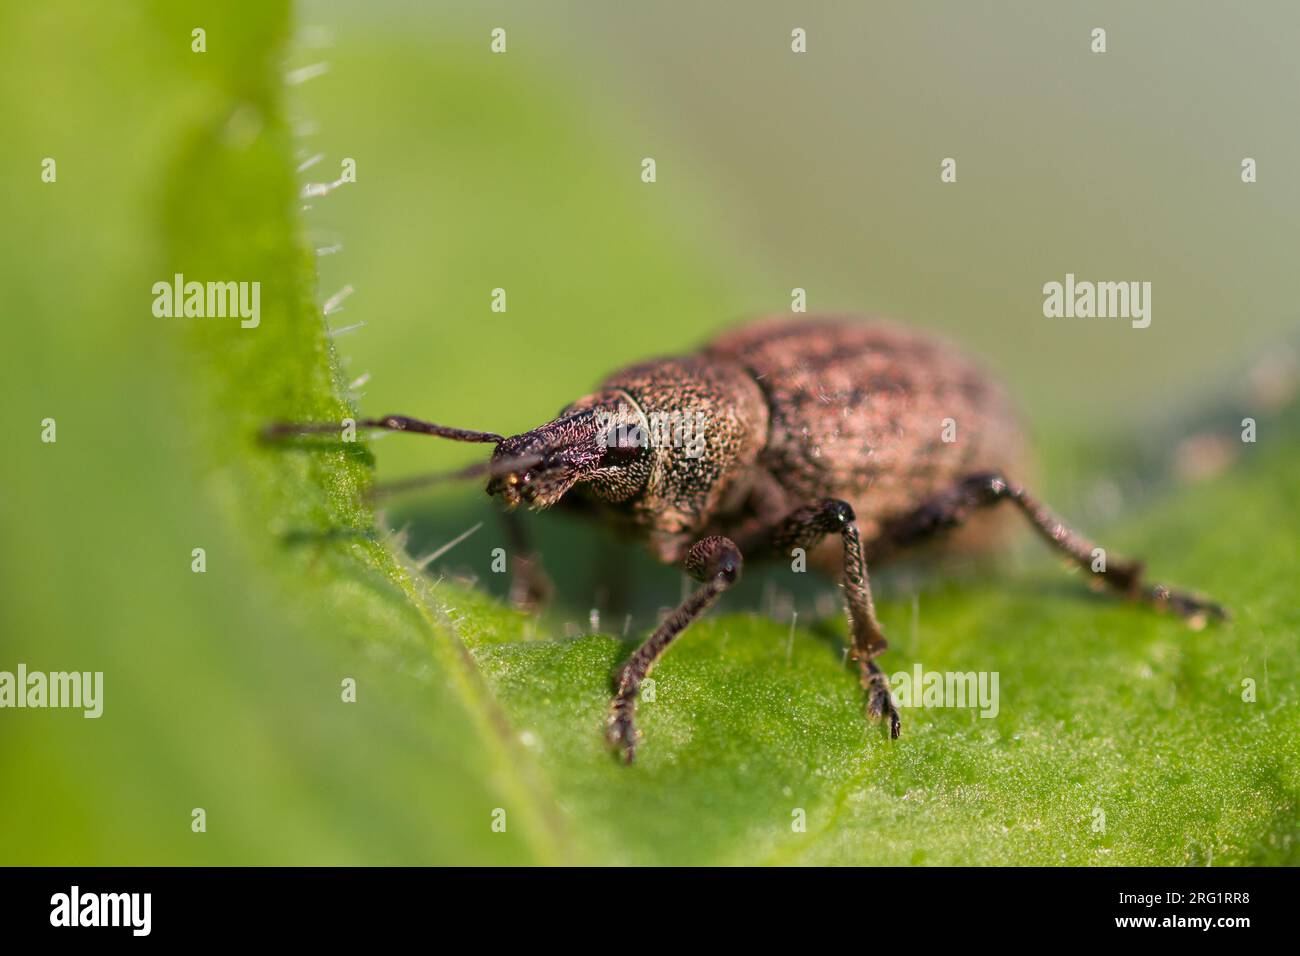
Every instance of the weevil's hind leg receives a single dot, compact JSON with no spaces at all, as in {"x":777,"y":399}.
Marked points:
{"x":395,"y":423}
{"x":716,"y":563}
{"x":950,"y":508}
{"x":805,"y":528}
{"x":530,"y":586}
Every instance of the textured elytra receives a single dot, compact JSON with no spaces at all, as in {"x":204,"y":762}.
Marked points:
{"x":859,"y":409}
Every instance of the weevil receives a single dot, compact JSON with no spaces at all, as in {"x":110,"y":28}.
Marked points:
{"x":853,"y":440}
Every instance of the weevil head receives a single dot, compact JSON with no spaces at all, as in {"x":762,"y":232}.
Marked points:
{"x":596,"y":442}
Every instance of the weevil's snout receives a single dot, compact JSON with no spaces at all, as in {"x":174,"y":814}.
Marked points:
{"x":536,"y":468}
{"x":512,"y":473}
{"x":508,"y":487}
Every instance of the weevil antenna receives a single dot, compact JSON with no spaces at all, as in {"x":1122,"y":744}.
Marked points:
{"x":395,"y":423}
{"x":387,"y":489}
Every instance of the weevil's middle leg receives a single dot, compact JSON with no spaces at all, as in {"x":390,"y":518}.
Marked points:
{"x":950,"y":508}
{"x":714,"y":561}
{"x":805,"y":528}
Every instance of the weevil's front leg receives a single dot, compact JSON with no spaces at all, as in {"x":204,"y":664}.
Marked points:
{"x":530,"y":586}
{"x":950,"y":508}
{"x":714,"y":561}
{"x":805,"y":528}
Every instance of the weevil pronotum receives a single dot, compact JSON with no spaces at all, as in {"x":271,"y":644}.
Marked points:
{"x":848,"y":438}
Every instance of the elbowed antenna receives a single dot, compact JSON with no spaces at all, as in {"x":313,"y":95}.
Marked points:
{"x":396,"y":423}
{"x":481,"y":469}
{"x":387,"y":489}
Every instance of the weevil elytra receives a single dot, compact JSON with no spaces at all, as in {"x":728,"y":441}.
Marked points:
{"x":851,"y":439}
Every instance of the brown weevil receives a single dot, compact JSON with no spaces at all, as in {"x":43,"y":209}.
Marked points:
{"x":851,"y":439}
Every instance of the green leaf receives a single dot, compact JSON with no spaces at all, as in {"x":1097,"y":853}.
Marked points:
{"x":223,"y":689}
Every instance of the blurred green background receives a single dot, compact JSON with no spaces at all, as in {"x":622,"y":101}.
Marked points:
{"x":522,"y":171}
